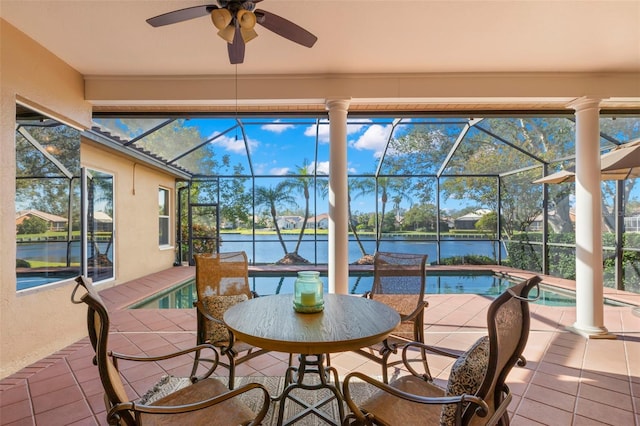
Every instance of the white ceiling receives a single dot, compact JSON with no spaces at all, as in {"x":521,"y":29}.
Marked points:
{"x":111,"y":37}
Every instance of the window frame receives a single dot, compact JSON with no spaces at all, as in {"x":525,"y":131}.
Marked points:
{"x":164,"y":215}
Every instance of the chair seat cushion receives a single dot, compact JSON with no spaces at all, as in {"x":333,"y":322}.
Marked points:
{"x":229,"y":412}
{"x":466,"y":376}
{"x":404,"y":304}
{"x":396,"y":411}
{"x":238,"y":346}
{"x":216,"y":306}
{"x":167,"y":385}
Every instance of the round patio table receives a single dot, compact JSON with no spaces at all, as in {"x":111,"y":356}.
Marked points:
{"x":347,"y":323}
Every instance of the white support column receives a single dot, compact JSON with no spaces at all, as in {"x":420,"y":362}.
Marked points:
{"x":338,"y":259}
{"x":589,"y":269}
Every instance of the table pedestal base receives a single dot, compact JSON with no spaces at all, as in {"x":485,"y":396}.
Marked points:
{"x":294,"y":379}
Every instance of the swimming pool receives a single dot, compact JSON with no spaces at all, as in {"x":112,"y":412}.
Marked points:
{"x":488,"y":284}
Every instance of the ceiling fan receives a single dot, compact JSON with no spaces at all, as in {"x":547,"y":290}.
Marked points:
{"x":235,"y":21}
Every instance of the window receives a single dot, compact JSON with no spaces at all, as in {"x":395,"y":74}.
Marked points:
{"x":47,"y":200}
{"x":164,"y":217}
{"x":100,"y":229}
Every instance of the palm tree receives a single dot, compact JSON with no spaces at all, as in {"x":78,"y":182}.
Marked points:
{"x":301,"y":182}
{"x":270,"y":198}
{"x":383,"y":184}
{"x":388,"y":186}
{"x":358,"y":188}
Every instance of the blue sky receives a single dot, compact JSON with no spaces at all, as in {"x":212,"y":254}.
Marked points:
{"x":280,"y":146}
{"x":277,"y":147}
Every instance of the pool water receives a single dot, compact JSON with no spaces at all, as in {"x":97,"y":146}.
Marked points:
{"x":183,"y":295}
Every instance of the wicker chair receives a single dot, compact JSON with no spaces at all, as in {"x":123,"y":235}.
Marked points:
{"x":222,"y":280}
{"x":399,"y":281}
{"x":173,"y":400}
{"x":476,"y":392}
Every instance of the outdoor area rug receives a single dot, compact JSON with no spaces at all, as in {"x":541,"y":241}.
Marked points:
{"x":275,"y":385}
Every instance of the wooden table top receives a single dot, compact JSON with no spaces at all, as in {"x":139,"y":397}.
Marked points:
{"x":346,"y":323}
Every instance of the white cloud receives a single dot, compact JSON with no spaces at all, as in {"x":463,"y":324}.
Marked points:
{"x":354,"y":126}
{"x":322,"y":129}
{"x":277,"y":128}
{"x":231,"y":144}
{"x":279,"y":171}
{"x":373,"y":139}
{"x":322,"y":167}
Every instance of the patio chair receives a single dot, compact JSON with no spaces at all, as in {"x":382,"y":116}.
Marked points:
{"x":173,"y":400}
{"x":476,"y":392}
{"x":222,"y":280}
{"x":399,"y":282}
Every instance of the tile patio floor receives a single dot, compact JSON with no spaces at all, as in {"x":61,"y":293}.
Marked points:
{"x":568,"y":380}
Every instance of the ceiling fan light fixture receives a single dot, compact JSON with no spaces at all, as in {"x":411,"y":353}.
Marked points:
{"x":221,"y":18}
{"x":228,"y":33}
{"x":246,"y":19}
{"x":235,"y":21}
{"x":248,"y":34}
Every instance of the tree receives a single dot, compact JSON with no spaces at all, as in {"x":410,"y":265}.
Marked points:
{"x":33,"y":225}
{"x":490,"y":147}
{"x":397,"y":189}
{"x":420,"y":151}
{"x":301,"y":183}
{"x":488,"y":223}
{"x":357,"y":188}
{"x":42,"y":184}
{"x":235,"y":200}
{"x":421,"y":217}
{"x":270,"y":198}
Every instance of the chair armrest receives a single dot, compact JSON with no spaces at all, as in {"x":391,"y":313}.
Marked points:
{"x":500,"y":410}
{"x":451,"y":353}
{"x":416,"y":312}
{"x":424,"y":362}
{"x":117,"y":356}
{"x":365,"y":418}
{"x":113,"y":413}
{"x":522,"y":361}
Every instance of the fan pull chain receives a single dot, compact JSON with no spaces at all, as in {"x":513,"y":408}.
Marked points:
{"x":236,"y":92}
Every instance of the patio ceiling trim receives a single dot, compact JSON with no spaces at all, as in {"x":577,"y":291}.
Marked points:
{"x":510,"y":91}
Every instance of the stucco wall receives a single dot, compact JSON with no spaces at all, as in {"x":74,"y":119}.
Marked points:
{"x":136,"y":212}
{"x":37,"y":323}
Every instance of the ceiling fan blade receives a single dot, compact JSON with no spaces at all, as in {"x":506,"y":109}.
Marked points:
{"x":285,"y":28}
{"x":181,"y":15}
{"x":236,"y":49}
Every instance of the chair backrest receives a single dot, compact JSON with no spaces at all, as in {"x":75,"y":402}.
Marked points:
{"x":399,"y":273}
{"x":508,"y":324}
{"x":98,"y":327}
{"x":222,"y":274}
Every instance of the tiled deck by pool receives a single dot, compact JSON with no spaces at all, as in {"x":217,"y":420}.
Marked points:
{"x":568,"y":380}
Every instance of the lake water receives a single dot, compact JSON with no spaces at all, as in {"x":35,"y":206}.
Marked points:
{"x":269,"y":250}
{"x":266,"y":249}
